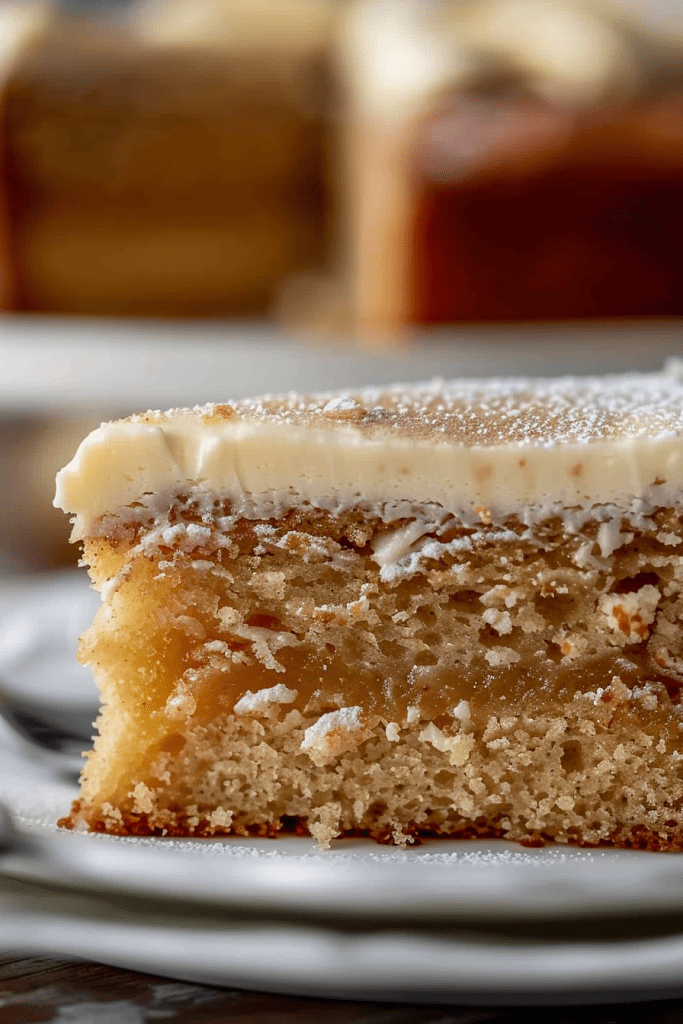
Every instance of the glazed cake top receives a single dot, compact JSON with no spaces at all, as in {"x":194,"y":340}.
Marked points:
{"x":501,"y":443}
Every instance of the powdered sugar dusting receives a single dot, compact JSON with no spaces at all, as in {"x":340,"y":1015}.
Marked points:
{"x":487,"y":412}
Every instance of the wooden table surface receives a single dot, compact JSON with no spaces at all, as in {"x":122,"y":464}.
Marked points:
{"x":36,"y":989}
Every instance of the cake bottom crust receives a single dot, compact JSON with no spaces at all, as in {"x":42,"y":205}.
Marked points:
{"x":137,"y":825}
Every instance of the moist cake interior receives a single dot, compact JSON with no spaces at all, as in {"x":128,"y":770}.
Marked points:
{"x":341,"y":673}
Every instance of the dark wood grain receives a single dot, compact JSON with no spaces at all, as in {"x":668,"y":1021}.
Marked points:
{"x":41,"y":989}
{"x":35,"y":989}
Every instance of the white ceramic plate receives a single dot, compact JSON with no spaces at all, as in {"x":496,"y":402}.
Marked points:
{"x":439,"y":921}
{"x":396,"y":964}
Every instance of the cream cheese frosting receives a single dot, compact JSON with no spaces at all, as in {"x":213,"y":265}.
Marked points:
{"x":501,"y":446}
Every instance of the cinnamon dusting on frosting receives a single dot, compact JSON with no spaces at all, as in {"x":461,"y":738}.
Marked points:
{"x":479,"y":412}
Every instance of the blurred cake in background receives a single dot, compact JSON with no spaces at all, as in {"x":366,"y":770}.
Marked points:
{"x":511,"y":160}
{"x":20,"y":24}
{"x":377,"y":163}
{"x":169,"y":164}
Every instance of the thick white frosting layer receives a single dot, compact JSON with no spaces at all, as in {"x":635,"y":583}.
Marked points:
{"x":471,"y":447}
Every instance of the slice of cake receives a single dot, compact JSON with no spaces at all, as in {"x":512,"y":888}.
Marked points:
{"x":165,"y":158}
{"x":449,"y":608}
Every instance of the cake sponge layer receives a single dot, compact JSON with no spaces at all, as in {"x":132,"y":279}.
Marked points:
{"x":344,"y":673}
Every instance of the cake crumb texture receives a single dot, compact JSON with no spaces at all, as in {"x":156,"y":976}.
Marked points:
{"x":350,"y":673}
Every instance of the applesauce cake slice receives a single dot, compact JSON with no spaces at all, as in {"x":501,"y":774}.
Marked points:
{"x":449,"y":608}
